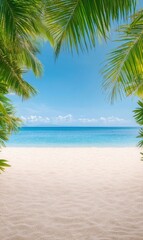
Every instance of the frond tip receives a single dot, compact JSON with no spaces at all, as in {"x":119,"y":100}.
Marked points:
{"x":3,"y":165}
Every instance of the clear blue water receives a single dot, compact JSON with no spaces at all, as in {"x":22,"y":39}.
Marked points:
{"x":75,"y":136}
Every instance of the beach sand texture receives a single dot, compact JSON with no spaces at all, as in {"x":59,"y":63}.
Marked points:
{"x":72,"y":194}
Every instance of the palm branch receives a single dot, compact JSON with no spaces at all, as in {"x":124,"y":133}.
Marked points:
{"x":78,"y":23}
{"x":11,"y":73}
{"x":124,"y":69}
{"x":140,"y":143}
{"x":20,"y":27}
{"x":8,"y":121}
{"x":20,"y":18}
{"x":138,"y":115}
{"x":3,"y":165}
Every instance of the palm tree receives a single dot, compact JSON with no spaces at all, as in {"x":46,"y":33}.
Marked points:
{"x":20,"y":26}
{"x":74,"y":22}
{"x":24,"y":24}
{"x":8,"y":122}
{"x":124,"y":69}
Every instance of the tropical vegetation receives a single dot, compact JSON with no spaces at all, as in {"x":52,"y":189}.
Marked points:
{"x":25,"y":24}
{"x":8,"y":122}
{"x":18,"y":46}
{"x":124,"y":69}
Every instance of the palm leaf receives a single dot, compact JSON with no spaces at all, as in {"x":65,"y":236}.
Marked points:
{"x":28,"y":61}
{"x":8,"y":121}
{"x":3,"y":165}
{"x":25,"y":52}
{"x":20,"y":18}
{"x":20,"y":26}
{"x":140,"y":143}
{"x":77,"y":23}
{"x":11,"y":74}
{"x":135,"y":86}
{"x":124,"y":69}
{"x":138,"y":113}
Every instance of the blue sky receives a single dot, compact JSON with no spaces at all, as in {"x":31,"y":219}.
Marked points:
{"x":71,"y":94}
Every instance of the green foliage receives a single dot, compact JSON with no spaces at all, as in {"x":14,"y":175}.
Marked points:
{"x":138,"y":115}
{"x":25,"y":23}
{"x":20,"y":28}
{"x":124,"y":69}
{"x":8,"y":122}
{"x":11,"y":73}
{"x":78,"y":23}
{"x":3,"y":165}
{"x":20,"y":18}
{"x":140,"y":143}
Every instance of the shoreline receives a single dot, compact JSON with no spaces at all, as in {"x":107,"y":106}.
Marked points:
{"x":86,"y":147}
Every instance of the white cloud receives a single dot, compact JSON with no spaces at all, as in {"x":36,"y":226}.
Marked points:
{"x":66,"y":118}
{"x":88,"y":120}
{"x":38,"y":120}
{"x":33,"y":119}
{"x":102,"y":120}
{"x":112,"y":119}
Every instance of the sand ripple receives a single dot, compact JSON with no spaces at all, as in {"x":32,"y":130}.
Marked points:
{"x":72,"y":194}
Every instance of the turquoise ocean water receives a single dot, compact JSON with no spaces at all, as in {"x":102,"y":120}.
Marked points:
{"x":75,"y":136}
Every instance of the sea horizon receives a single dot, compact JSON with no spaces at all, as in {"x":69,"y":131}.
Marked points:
{"x":58,"y":126}
{"x":75,"y":136}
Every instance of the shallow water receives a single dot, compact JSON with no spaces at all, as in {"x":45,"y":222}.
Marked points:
{"x":75,"y":136}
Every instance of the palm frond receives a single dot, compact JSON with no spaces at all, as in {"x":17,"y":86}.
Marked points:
{"x":140,"y":143}
{"x":135,"y":87}
{"x":77,"y":23}
{"x":8,"y":121}
{"x":20,"y":26}
{"x":3,"y":165}
{"x":28,"y":60}
{"x":20,"y":18}
{"x":124,"y":69}
{"x":25,"y":53}
{"x":138,"y":113}
{"x":11,"y":74}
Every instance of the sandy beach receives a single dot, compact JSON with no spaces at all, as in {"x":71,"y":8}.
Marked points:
{"x":72,"y":194}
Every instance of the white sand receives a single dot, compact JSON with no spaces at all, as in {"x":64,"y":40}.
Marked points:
{"x":72,"y":194}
